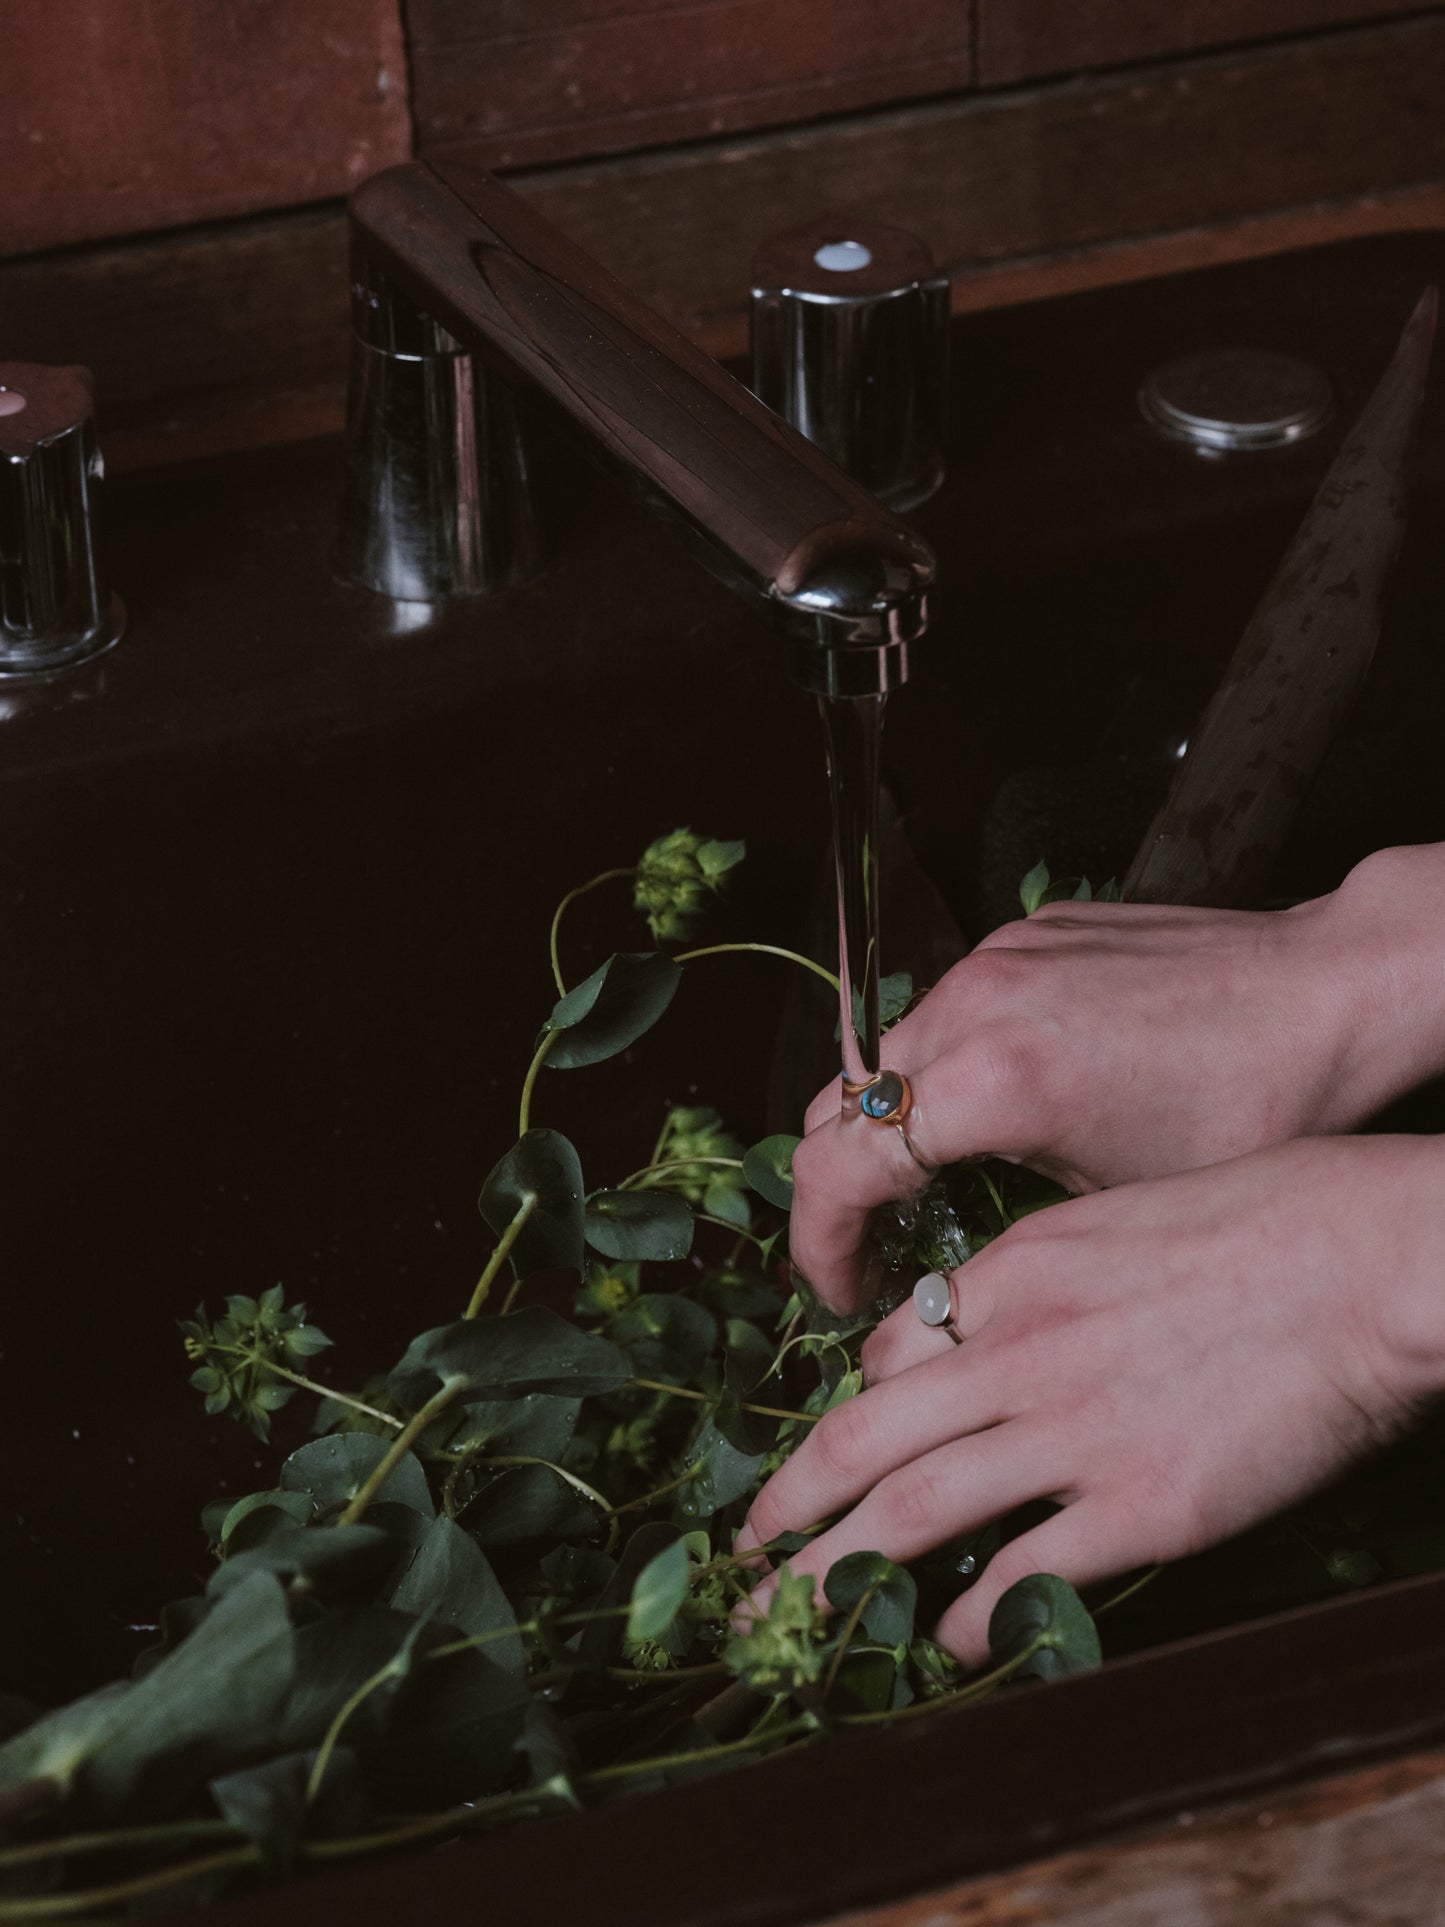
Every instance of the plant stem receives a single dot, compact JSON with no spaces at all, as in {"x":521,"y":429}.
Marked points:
{"x":675,"y":1164}
{"x":58,"y":1906}
{"x":524,"y":1112}
{"x":702,"y":1217}
{"x":1135,"y":1585}
{"x":312,"y":1385}
{"x":845,"y":1637}
{"x":1004,"y":1219}
{"x":624,"y":1768}
{"x":686,"y":1391}
{"x":498,"y":1258}
{"x":635,"y":1505}
{"x":445,"y":1396}
{"x":114,"y":1839}
{"x":768,"y":949}
{"x":578,"y":1485}
{"x":607,"y":876}
{"x":333,"y":1732}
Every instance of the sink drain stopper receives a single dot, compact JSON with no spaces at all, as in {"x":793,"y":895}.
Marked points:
{"x":1236,"y":398}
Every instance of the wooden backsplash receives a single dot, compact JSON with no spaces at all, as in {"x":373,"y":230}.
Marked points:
{"x":175,"y":168}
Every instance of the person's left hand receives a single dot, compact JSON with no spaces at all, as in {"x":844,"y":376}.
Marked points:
{"x":1170,"y":1361}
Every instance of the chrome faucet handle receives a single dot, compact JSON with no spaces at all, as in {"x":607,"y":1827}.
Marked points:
{"x":55,"y":607}
{"x":850,"y":345}
{"x":447,"y":261}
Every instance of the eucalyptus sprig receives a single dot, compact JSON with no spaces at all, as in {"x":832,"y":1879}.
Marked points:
{"x":498,"y":1581}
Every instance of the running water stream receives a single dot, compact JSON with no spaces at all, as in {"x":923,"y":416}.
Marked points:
{"x":854,"y":731}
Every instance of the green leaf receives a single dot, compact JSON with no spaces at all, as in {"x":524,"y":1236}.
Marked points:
{"x":1033,"y":887}
{"x":295,"y":1506}
{"x":768,"y":1168}
{"x":665,"y":1336}
{"x":528,"y":1502}
{"x":1353,"y":1566}
{"x":451,"y":1584}
{"x":722,"y":1199}
{"x":334,"y":1469}
{"x":658,"y":1593}
{"x":537,"y":1426}
{"x":715,"y":858}
{"x":332,"y":1559}
{"x":895,"y":994}
{"x":553,"y":1762}
{"x":724,"y":1473}
{"x":1044,"y":1617}
{"x":542,"y":1165}
{"x":655,"y":1225}
{"x":888,"y":1593}
{"x":212,"y":1699}
{"x":532,"y":1350}
{"x":269,"y":1803}
{"x":611,"y":1009}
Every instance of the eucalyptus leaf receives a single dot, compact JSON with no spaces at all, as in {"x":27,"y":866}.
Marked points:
{"x":1044,"y":1617}
{"x":887,"y":1594}
{"x":295,"y":1506}
{"x":611,"y":1009}
{"x":215,"y":1698}
{"x":768,"y":1168}
{"x":655,"y":1225}
{"x":538,"y":1425}
{"x":334,"y":1469}
{"x":658,"y":1592}
{"x":602,"y":1638}
{"x":541,"y":1166}
{"x":723,"y":1200}
{"x":553,"y":1761}
{"x":337,"y":1561}
{"x":895,"y":994}
{"x":452,"y":1583}
{"x":527,"y":1502}
{"x":666,"y":1336}
{"x":273,"y":1803}
{"x":1033,"y":887}
{"x":532,"y":1350}
{"x":723,"y":1474}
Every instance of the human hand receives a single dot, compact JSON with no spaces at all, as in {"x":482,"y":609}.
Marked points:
{"x":1169,"y":1361}
{"x":1106,"y":1042}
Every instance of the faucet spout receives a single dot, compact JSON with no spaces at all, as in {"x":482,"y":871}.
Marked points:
{"x":457,"y":281}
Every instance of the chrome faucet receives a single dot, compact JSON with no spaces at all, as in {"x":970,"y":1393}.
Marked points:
{"x":466,"y":307}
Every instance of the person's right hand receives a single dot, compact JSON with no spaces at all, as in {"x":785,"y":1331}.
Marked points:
{"x":1105,"y":1042}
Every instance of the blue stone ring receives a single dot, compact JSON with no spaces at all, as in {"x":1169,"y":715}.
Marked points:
{"x":886,"y":1098}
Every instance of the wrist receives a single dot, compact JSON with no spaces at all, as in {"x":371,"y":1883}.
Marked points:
{"x":1403,"y":1284}
{"x":1379,"y":940}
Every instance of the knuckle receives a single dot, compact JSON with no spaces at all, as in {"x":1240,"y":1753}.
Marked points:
{"x":840,"y":1444}
{"x":913,"y":1504}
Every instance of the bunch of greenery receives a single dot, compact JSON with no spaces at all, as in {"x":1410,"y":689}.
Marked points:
{"x":499,"y":1579}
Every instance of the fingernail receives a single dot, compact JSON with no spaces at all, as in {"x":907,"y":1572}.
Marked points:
{"x":746,"y":1538}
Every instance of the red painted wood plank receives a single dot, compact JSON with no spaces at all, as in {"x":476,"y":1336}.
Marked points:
{"x":120,"y":118}
{"x":1023,"y":39}
{"x":565,"y":78}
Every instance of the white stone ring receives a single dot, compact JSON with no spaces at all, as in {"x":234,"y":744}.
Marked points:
{"x":933,"y":1301}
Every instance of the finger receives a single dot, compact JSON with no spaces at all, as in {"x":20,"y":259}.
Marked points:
{"x":1082,"y":1544}
{"x":869,"y":1437}
{"x":903,"y":1340}
{"x":956,"y":1488}
{"x":990,"y":1094}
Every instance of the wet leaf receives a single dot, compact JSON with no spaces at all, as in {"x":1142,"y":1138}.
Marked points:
{"x":888,"y":1595}
{"x":666,"y":1336}
{"x":528,"y":1502}
{"x":1043,"y":1616}
{"x":532,"y":1350}
{"x":723,"y":1474}
{"x":543,"y":1165}
{"x":658,"y":1592}
{"x":655,"y":1225}
{"x":768,"y":1168}
{"x":334,"y":1469}
{"x":611,"y":1009}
